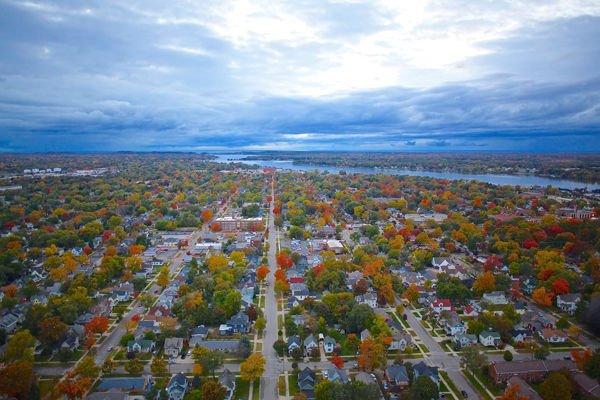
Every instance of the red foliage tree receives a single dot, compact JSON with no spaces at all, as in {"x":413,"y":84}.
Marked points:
{"x":337,"y":361}
{"x":284,"y":260}
{"x":560,"y":286}
{"x":530,"y":244}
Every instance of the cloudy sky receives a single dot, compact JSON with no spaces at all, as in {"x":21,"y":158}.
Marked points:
{"x":345,"y":74}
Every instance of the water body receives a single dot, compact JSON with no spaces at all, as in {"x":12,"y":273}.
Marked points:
{"x":495,"y":179}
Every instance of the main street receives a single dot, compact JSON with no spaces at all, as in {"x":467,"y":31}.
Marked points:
{"x":268,"y":386}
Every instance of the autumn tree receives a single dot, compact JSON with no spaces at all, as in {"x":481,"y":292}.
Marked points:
{"x":284,"y":261}
{"x":134,"y":366}
{"x":253,"y":368}
{"x":512,"y":392}
{"x":20,"y":347}
{"x":337,"y":361}
{"x":73,"y":387}
{"x":260,"y":324}
{"x":411,"y":293}
{"x":98,"y":324}
{"x":52,"y":330}
{"x":211,"y":389}
{"x":209,"y":359}
{"x":206,"y":215}
{"x":87,"y":367}
{"x":163,"y":279}
{"x":485,"y":283}
{"x":16,"y":379}
{"x":159,"y":366}
{"x":261,"y":272}
{"x":372,"y":354}
{"x":542,"y":297}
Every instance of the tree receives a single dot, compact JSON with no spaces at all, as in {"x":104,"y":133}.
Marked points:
{"x":87,"y":367}
{"x":206,"y":215}
{"x":542,"y":297}
{"x":360,"y":317}
{"x":244,"y":347}
{"x":262,"y":272}
{"x":20,"y":347}
{"x":513,"y":393}
{"x":108,"y":367}
{"x":209,"y":359}
{"x":485,"y":283}
{"x":423,"y":388}
{"x":51,"y":330}
{"x":562,"y":323}
{"x":412,"y":293}
{"x":260,"y":324}
{"x":560,"y":286}
{"x":556,"y":387}
{"x":73,"y":387}
{"x":162,"y":279}
{"x":325,"y":390}
{"x":16,"y":379}
{"x":372,"y":354}
{"x":98,"y":324}
{"x":541,"y":352}
{"x":337,"y":361}
{"x":212,"y":390}
{"x":159,"y":366}
{"x":284,"y":261}
{"x":508,"y":356}
{"x":279,"y":346}
{"x":253,"y":368}
{"x":581,"y":357}
{"x":473,"y":358}
{"x":134,"y":366}
{"x":592,"y":365}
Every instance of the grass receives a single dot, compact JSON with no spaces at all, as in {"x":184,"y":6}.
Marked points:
{"x":262,"y":301}
{"x":281,"y":385}
{"x":293,"y":384}
{"x":279,"y":322}
{"x":423,"y":348}
{"x":488,"y":383}
{"x":46,"y":386}
{"x":256,"y":390}
{"x":477,"y":386}
{"x":241,"y":389}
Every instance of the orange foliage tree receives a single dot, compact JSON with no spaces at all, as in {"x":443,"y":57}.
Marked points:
{"x":542,"y":297}
{"x":261,"y":272}
{"x":284,"y":260}
{"x":98,"y":324}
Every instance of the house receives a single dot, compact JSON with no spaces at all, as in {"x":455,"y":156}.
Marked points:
{"x":307,"y":380}
{"x":177,"y":387}
{"x":422,"y":369}
{"x":329,"y":344}
{"x":145,"y":326}
{"x":226,"y":346}
{"x":553,"y":335}
{"x":440,"y":305}
{"x":300,"y":319}
{"x":335,"y":245}
{"x":293,"y":342}
{"x":124,"y":385}
{"x":335,"y":374}
{"x":524,"y":391}
{"x":71,"y":342}
{"x":140,"y":346}
{"x":200,"y":332}
{"x":293,"y":302}
{"x":299,"y":291}
{"x":239,"y":323}
{"x":520,"y":335}
{"x":225,"y":330}
{"x":470,"y":311}
{"x":364,"y":335}
{"x":397,"y":377}
{"x":352,"y":278}
{"x":227,"y":380}
{"x":369,"y":298}
{"x":568,"y":302}
{"x":489,"y":338}
{"x":496,"y":298}
{"x":587,"y":386}
{"x":464,"y":339}
{"x":9,"y":322}
{"x":453,"y":325}
{"x":528,"y":370}
{"x":173,"y":346}
{"x":440,"y":263}
{"x":310,"y":343}
{"x":400,"y":341}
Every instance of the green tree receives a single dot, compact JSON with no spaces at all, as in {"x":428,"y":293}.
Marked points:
{"x":508,"y":356}
{"x":87,"y":367}
{"x":423,"y":388}
{"x":20,"y":347}
{"x":473,"y":358}
{"x":209,"y":359}
{"x":159,"y":366}
{"x":260,"y":324}
{"x":134,"y":366}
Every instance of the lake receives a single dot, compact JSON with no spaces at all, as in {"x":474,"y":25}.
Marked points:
{"x":495,"y":179}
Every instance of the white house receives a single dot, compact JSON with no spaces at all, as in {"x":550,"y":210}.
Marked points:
{"x":369,"y":298}
{"x":568,"y":302}
{"x":497,"y":298}
{"x":464,"y":339}
{"x":489,"y":338}
{"x":553,"y":335}
{"x":310,"y":343}
{"x":173,"y":346}
{"x":329,"y":344}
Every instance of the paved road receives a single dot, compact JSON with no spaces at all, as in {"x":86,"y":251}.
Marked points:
{"x":437,"y":357}
{"x":268,"y":386}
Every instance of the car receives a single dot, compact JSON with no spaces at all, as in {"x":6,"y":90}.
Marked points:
{"x":183,"y":356}
{"x":465,"y":394}
{"x":111,"y":348}
{"x":385,"y":386}
{"x":567,"y":357}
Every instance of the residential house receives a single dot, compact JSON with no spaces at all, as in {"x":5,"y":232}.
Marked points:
{"x":329,"y":344}
{"x":397,"y":377}
{"x":422,"y":369}
{"x":364,"y":335}
{"x":568,"y":302}
{"x":9,"y":322}
{"x":310,"y":343}
{"x":299,"y":290}
{"x":440,"y":305}
{"x":453,"y":325}
{"x":464,"y":339}
{"x":173,"y":346}
{"x":293,"y":342}
{"x":177,"y":387}
{"x":124,"y":385}
{"x":470,"y":311}
{"x":239,"y":323}
{"x":520,"y":335}
{"x":227,"y":380}
{"x":587,"y":386}
{"x":369,"y":298}
{"x":335,"y":374}
{"x":553,"y":335}
{"x":496,"y":298}
{"x":226,"y":346}
{"x":441,"y":262}
{"x":524,"y":391}
{"x":140,"y":346}
{"x":400,"y":341}
{"x":307,"y":380}
{"x":489,"y":338}
{"x":200,"y":332}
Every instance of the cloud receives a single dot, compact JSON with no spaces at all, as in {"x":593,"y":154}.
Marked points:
{"x":302,"y":75}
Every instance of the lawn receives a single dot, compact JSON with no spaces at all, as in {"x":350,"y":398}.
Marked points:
{"x":477,"y":386}
{"x":262,"y":301}
{"x":451,"y":386}
{"x":293,"y":384}
{"x":241,"y":389}
{"x":488,"y":383}
{"x":423,"y":348}
{"x":281,"y":385}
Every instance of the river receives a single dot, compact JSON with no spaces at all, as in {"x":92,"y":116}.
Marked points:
{"x":495,"y":179}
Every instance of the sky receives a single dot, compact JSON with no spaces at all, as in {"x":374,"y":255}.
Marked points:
{"x":397,"y":75}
